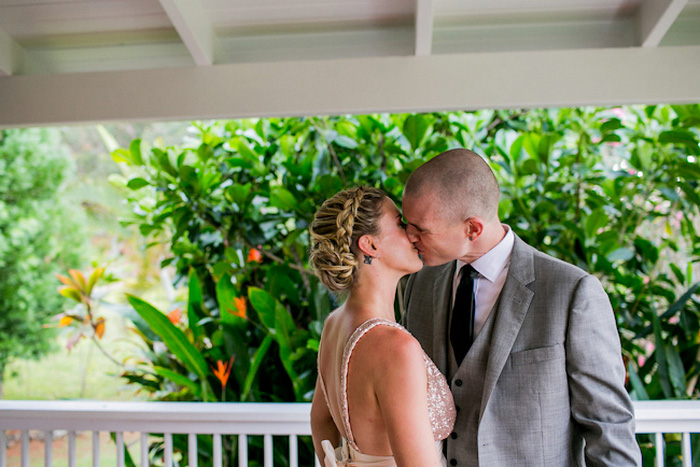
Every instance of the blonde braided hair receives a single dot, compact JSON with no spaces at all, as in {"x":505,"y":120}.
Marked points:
{"x":335,"y":230}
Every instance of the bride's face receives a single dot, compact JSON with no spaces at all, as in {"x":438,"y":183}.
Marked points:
{"x":395,"y":249}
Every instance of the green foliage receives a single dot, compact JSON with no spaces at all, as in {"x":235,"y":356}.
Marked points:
{"x":614,"y":191}
{"x":37,"y":239}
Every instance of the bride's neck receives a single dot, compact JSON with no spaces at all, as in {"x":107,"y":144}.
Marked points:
{"x":373,"y":296}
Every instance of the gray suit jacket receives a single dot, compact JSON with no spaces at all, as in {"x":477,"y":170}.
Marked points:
{"x":553,"y":391}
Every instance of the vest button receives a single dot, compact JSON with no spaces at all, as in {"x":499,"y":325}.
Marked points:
{"x":453,"y":435}
{"x":458,"y":382}
{"x":453,"y":461}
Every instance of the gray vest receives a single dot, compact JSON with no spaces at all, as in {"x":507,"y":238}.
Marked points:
{"x":467,"y":385}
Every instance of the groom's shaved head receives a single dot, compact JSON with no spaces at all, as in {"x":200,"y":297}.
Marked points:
{"x":460,"y":182}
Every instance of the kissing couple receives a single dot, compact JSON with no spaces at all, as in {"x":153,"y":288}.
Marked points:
{"x":504,"y":356}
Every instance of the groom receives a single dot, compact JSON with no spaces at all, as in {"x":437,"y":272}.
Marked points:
{"x":528,"y":343}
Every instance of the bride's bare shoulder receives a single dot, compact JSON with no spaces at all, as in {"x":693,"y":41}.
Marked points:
{"x":390,"y":348}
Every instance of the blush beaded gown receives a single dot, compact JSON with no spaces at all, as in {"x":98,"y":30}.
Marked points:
{"x":440,"y":405}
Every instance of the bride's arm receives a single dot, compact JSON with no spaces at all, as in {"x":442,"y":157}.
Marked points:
{"x":401,"y":388}
{"x":322,"y":425}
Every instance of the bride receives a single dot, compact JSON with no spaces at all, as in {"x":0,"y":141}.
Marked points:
{"x":379,"y":399}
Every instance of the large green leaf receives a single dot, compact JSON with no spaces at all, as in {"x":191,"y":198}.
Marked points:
{"x":638,"y":389}
{"x":683,"y":137}
{"x":225,"y":294}
{"x":179,"y":379}
{"x":194,"y":303}
{"x":662,"y":359}
{"x":135,"y":150}
{"x":415,"y":127}
{"x":255,"y":366}
{"x":283,"y":199}
{"x":264,"y":304}
{"x":283,"y":335}
{"x":174,"y":339}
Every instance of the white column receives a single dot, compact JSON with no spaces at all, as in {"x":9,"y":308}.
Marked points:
{"x":659,"y":443}
{"x":293,"y":451}
{"x":120,"y":448}
{"x":168,"y":450}
{"x":144,"y":449}
{"x":71,"y":449}
{"x":48,"y":448}
{"x":217,"y":450}
{"x":686,"y":451}
{"x":3,"y":448}
{"x":267,"y":462}
{"x":192,"y":449}
{"x":242,"y":450}
{"x":95,"y":449}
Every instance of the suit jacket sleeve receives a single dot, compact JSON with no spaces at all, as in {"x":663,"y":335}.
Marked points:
{"x":600,"y":405}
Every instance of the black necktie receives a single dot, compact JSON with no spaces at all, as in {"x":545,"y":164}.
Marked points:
{"x":462,"y":325}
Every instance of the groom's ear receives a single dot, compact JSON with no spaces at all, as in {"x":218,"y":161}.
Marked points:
{"x":366,"y":245}
{"x":473,"y":227}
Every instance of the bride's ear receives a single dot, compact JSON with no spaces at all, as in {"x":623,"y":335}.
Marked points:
{"x":367,"y":245}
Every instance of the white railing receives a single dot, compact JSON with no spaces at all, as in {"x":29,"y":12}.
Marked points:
{"x":243,"y":420}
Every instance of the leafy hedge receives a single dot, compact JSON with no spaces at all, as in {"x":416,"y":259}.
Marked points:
{"x":37,"y":240}
{"x":614,"y":191}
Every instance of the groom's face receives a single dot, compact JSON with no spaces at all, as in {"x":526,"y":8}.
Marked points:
{"x":437,"y":239}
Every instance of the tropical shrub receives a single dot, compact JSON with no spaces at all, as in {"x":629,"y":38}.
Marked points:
{"x":37,"y":240}
{"x":614,"y":191}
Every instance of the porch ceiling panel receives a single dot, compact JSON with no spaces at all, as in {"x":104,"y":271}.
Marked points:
{"x":49,"y":47}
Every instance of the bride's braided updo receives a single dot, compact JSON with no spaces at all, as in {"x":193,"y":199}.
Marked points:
{"x":337,"y":225}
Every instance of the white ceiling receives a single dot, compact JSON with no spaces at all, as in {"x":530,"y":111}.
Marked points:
{"x":93,"y":44}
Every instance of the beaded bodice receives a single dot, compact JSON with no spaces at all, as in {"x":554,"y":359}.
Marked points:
{"x":440,"y":402}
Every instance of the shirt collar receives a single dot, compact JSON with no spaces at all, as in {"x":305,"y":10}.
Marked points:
{"x":491,"y":263}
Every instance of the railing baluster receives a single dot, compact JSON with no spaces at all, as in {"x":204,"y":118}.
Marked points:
{"x":95,"y":449}
{"x":25,"y":448}
{"x":3,"y":449}
{"x":686,"y":451}
{"x":71,"y":449}
{"x":192,"y":449}
{"x":217,"y":450}
{"x":268,"y":451}
{"x":48,"y":448}
{"x":120,"y":448}
{"x":242,"y":450}
{"x":659,"y":443}
{"x":168,"y":453}
{"x":293,"y":451}
{"x":144,"y":449}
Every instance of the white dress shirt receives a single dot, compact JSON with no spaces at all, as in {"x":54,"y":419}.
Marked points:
{"x":493,"y":269}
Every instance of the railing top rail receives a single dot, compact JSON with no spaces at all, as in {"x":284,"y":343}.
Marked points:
{"x":158,"y":417}
{"x":249,"y":418}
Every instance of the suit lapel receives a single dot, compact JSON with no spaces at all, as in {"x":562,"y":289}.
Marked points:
{"x":442,"y":291}
{"x":511,"y":310}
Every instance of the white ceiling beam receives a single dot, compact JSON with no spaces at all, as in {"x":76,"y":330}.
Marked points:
{"x":558,"y":78}
{"x":424,"y":27}
{"x":11,"y":55}
{"x":655,"y":18}
{"x":194,"y":28}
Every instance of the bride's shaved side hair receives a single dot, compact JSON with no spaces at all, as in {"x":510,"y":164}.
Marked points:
{"x":462,"y":182}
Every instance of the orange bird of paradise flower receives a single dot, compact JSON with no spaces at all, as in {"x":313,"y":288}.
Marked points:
{"x":239,"y":307}
{"x":254,"y":256}
{"x":222,"y":372}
